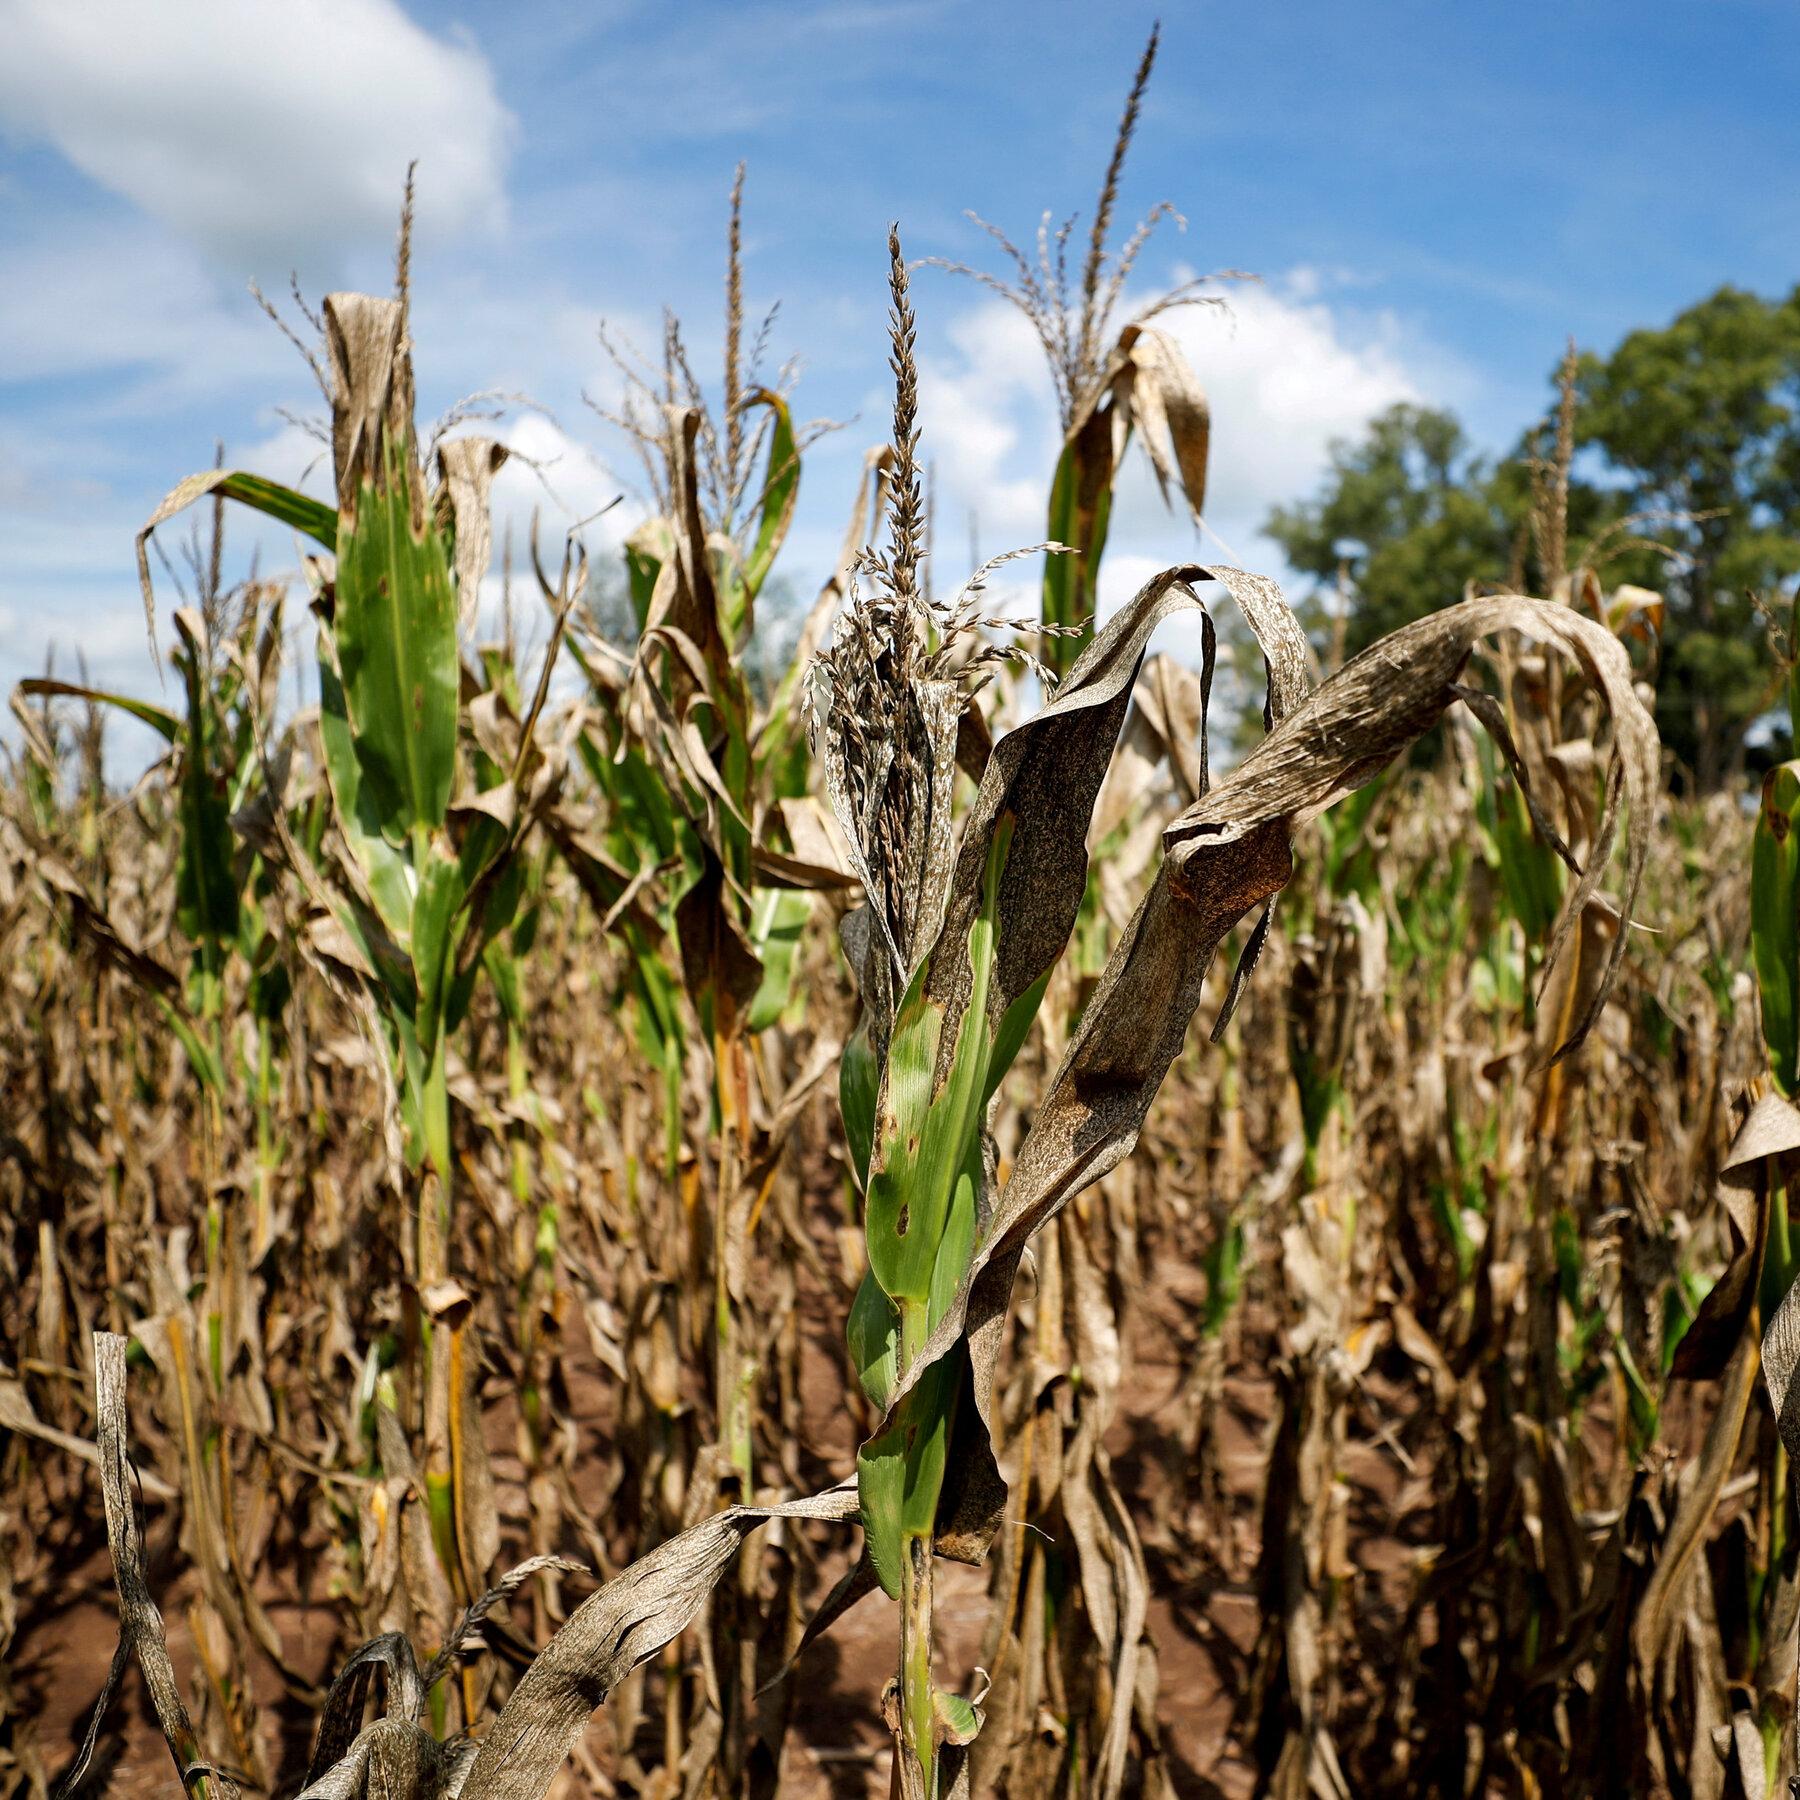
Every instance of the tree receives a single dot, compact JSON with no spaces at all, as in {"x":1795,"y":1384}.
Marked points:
{"x":1687,"y":480}
{"x":1404,"y":519}
{"x":1697,"y":424}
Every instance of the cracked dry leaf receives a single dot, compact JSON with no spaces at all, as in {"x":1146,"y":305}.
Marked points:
{"x":141,"y":1632}
{"x":1230,"y":852}
{"x":1769,"y":1131}
{"x":643,"y":1608}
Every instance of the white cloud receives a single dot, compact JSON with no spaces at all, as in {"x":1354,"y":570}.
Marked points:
{"x":87,"y":296}
{"x":1286,"y":374}
{"x":1286,"y":369}
{"x":272,"y":133}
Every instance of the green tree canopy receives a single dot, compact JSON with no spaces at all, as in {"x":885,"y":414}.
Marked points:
{"x":1698,"y":423}
{"x":1404,"y":518}
{"x":1688,"y":438}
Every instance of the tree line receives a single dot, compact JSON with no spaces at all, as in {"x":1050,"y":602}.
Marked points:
{"x":1681,"y":454}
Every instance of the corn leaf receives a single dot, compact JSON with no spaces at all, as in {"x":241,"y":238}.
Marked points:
{"x":781,"y":490}
{"x":1229,"y":853}
{"x":382,"y":866}
{"x":395,"y":626}
{"x":436,"y":927}
{"x":164,"y":723}
{"x":394,"y":618}
{"x":206,"y":894}
{"x":1775,"y":920}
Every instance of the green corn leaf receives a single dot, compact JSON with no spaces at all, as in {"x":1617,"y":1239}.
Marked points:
{"x":286,"y":505}
{"x":781,"y":489}
{"x":958,"y":1720}
{"x":199,"y":1053}
{"x":874,"y":1334}
{"x":206,"y":895}
{"x":437,"y":926}
{"x":926,"y":1131}
{"x":646,"y":815}
{"x":859,"y":1085}
{"x":164,"y":723}
{"x":778,"y":919}
{"x":881,"y":1490}
{"x":1080,"y":510}
{"x":395,"y":625}
{"x":1775,"y":920}
{"x":958,"y":1242}
{"x":1015,"y":1027}
{"x":424,"y":1104}
{"x":1530,"y":870}
{"x":646,"y":550}
{"x":503,"y":971}
{"x":900,"y":1472}
{"x":384,"y":868}
{"x":926,"y":1427}
{"x":1062,"y":574}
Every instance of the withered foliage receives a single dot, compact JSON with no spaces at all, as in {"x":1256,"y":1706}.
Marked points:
{"x":1354,"y":1397}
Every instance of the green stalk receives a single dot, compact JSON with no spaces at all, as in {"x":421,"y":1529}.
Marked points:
{"x":917,"y":1707}
{"x":542,"y":1255}
{"x":266,"y":1157}
{"x":917,"y":1716}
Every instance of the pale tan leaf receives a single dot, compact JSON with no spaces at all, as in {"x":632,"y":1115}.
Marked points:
{"x":466,"y":468}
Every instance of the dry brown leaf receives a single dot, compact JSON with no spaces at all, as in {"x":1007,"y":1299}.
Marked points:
{"x":1230,"y":852}
{"x":141,"y":1632}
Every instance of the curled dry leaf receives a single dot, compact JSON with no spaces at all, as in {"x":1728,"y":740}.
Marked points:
{"x":141,"y":1631}
{"x":1771,"y":1130}
{"x":609,"y":1634}
{"x":466,"y":468}
{"x":1224,"y":856}
{"x":396,"y":1758}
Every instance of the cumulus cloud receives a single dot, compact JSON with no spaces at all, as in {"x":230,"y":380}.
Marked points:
{"x":269,"y":132}
{"x":1288,"y":369}
{"x":85,"y":296}
{"x":1287,"y":373}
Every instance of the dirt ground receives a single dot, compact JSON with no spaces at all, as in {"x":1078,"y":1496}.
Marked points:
{"x":1203,"y":1614}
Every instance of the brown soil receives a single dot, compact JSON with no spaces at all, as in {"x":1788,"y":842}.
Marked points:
{"x":1203,"y":1616}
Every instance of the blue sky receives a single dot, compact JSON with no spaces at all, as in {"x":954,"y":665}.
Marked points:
{"x":1434,"y":195}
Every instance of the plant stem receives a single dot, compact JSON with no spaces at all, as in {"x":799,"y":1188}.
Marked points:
{"x":917,"y":1710}
{"x":917,"y":1713}
{"x":267,"y":1161}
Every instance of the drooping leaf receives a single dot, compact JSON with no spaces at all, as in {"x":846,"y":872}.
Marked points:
{"x":1225,"y":856}
{"x":644,"y":1607}
{"x":270,"y":498}
{"x":1045,"y":775}
{"x":141,"y":1631}
{"x":164,"y":723}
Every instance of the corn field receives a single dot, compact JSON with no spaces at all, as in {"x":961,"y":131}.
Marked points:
{"x":953,"y":1219}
